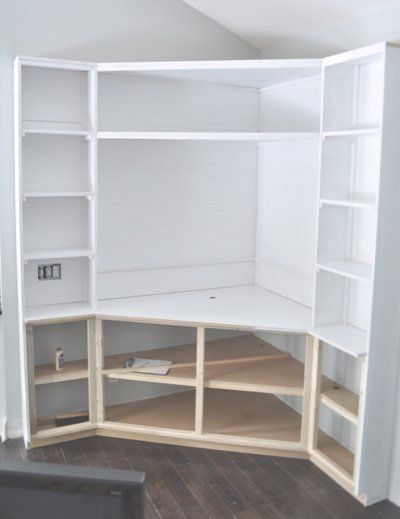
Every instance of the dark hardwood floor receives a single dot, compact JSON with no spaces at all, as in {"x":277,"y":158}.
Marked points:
{"x":192,"y":483}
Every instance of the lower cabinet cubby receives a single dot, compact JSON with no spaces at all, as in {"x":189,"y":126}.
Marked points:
{"x":151,"y":405}
{"x":62,"y":404}
{"x":252,"y":415}
{"x":332,"y":448}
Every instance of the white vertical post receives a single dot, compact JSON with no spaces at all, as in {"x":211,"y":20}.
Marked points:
{"x":92,"y":176}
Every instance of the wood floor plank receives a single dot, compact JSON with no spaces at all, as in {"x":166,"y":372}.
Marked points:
{"x":188,"y":483}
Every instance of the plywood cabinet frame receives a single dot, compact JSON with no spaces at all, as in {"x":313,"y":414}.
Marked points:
{"x":306,"y":447}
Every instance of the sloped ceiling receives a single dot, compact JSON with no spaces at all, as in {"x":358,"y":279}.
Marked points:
{"x":309,"y":27}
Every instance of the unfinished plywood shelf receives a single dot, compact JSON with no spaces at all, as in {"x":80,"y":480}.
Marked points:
{"x":244,"y":363}
{"x":336,"y":454}
{"x":74,"y":370}
{"x":277,"y":373}
{"x":226,"y":413}
{"x":176,"y":411}
{"x":340,"y":399}
{"x":113,"y":366}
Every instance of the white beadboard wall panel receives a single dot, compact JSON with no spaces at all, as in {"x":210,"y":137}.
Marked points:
{"x":135,"y":102}
{"x":55,"y":223}
{"x":286,"y":218}
{"x":54,"y":98}
{"x":54,"y":163}
{"x":169,"y":204}
{"x":293,"y":106}
{"x":129,"y":283}
{"x":71,"y":288}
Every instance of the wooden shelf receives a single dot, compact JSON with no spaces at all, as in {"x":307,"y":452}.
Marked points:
{"x":37,"y":254}
{"x":348,"y":269}
{"x":251,"y":415}
{"x":58,"y":194}
{"x":356,"y":203}
{"x":284,"y":375}
{"x":48,"y":131}
{"x":180,"y":376}
{"x":336,"y":454}
{"x":48,"y":424}
{"x":340,"y":399}
{"x":347,"y":338}
{"x":174,"y":411}
{"x":225,"y":412}
{"x":74,"y":370}
{"x":209,"y":136}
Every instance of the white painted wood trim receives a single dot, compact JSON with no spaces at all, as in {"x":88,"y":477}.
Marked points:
{"x":260,"y":64}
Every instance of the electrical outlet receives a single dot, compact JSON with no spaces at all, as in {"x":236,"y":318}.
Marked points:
{"x":49,"y":272}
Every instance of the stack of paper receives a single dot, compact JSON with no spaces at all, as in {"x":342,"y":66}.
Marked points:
{"x":148,"y":363}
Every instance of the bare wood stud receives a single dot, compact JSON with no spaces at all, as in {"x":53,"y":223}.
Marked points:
{"x":315,"y":392}
{"x":361,"y":402}
{"x":305,"y":421}
{"x":92,"y":371}
{"x":200,"y":380}
{"x":99,"y":370}
{"x":30,"y":359}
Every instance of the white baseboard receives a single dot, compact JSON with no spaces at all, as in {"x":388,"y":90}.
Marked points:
{"x":3,"y":428}
{"x":14,"y":428}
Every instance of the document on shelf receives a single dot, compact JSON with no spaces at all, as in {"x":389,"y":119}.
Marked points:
{"x":158,"y":369}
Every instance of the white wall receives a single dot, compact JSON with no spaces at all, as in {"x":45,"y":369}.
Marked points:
{"x":97,"y":30}
{"x":378,"y":25}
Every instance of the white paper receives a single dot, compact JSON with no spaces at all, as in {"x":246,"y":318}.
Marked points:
{"x":148,"y":363}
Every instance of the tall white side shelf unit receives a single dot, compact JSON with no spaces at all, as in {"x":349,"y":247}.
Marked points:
{"x":238,"y":218}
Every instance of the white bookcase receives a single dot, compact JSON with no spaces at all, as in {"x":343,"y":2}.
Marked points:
{"x":237,"y":218}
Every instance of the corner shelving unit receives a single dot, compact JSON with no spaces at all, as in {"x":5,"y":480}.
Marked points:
{"x":235,"y":218}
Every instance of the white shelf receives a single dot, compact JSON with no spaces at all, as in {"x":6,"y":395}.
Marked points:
{"x":48,"y":131}
{"x":63,"y":311}
{"x":349,"y":269}
{"x":359,"y":132}
{"x":349,"y":339}
{"x":210,"y":136}
{"x":37,"y":254}
{"x":349,"y":202}
{"x":248,"y":307}
{"x":58,"y":194}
